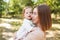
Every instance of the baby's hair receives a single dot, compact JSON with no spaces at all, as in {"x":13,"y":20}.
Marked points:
{"x":26,"y":8}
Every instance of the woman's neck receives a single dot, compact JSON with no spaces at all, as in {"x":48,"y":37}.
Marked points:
{"x":38,"y":25}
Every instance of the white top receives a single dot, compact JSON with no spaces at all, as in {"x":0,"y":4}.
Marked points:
{"x":24,"y":29}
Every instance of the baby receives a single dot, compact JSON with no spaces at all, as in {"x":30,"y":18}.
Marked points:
{"x":27,"y":25}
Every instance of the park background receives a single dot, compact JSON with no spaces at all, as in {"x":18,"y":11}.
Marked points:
{"x":11,"y":17}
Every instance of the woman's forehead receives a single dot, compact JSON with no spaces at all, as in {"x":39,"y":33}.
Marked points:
{"x":35,"y":9}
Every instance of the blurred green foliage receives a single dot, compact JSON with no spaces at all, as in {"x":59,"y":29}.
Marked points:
{"x":14,"y":7}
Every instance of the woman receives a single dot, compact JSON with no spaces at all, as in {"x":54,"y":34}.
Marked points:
{"x":42,"y":19}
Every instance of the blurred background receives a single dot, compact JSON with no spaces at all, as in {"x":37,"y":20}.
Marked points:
{"x":11,"y":17}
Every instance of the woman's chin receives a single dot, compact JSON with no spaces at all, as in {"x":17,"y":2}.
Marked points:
{"x":34,"y":22}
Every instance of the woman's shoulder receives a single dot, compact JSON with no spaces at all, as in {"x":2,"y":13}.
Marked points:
{"x":37,"y":34}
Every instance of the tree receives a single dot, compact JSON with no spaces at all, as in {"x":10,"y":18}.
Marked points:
{"x":16,"y":6}
{"x":54,"y":5}
{"x":27,"y":2}
{"x":2,"y":7}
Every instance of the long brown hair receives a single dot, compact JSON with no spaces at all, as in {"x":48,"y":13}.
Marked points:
{"x":44,"y":14}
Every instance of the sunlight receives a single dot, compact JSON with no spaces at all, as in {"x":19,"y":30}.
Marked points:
{"x":6,"y":1}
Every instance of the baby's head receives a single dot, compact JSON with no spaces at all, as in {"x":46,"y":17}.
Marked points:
{"x":27,"y":12}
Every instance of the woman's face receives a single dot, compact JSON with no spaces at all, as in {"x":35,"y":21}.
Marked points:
{"x":35,"y":18}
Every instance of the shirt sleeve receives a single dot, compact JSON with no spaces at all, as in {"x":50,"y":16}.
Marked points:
{"x":21,"y":32}
{"x":29,"y":27}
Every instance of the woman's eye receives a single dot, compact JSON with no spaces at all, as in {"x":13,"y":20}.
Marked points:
{"x":34,"y":13}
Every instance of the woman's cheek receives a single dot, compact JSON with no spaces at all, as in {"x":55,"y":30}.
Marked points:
{"x":35,"y":20}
